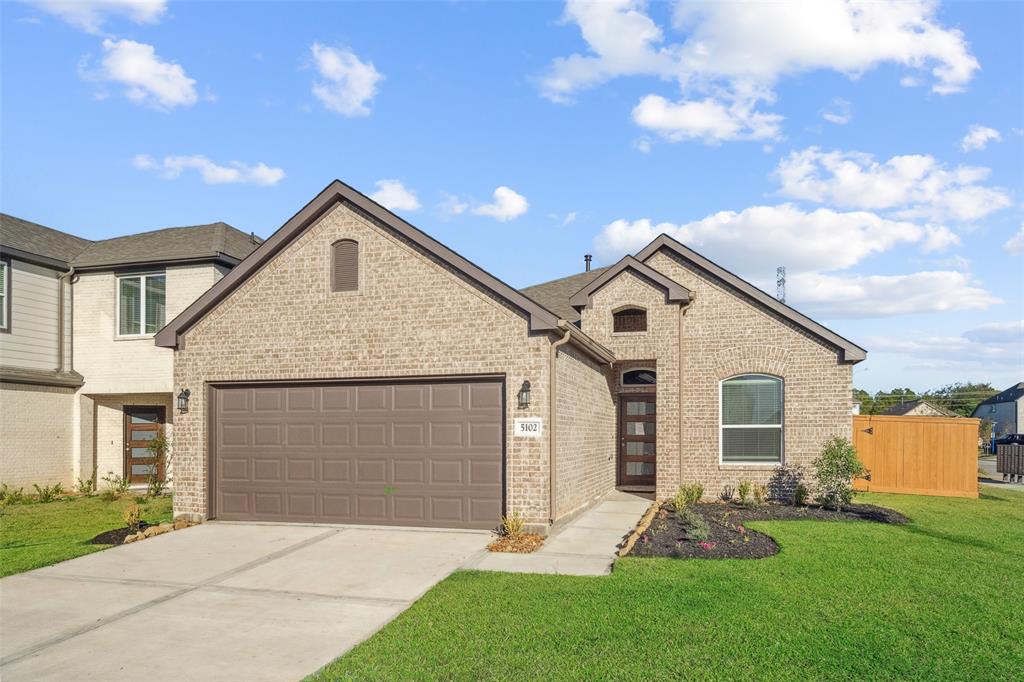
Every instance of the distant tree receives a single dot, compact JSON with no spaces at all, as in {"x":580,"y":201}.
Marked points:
{"x":886,"y":399}
{"x":867,"y":403}
{"x":961,"y":397}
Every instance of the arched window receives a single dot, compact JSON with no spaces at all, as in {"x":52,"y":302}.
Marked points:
{"x":751,"y":419}
{"x":639,"y":377}
{"x":630,"y":320}
{"x":345,"y":265}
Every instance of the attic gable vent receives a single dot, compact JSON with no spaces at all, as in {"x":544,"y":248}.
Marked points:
{"x":345,"y":265}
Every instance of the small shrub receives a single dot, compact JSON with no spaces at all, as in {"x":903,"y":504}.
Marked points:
{"x":117,"y":486}
{"x":696,"y":525}
{"x":800,"y":495}
{"x":87,"y":486}
{"x":133,"y":517}
{"x":513,"y":525}
{"x":726,"y":494}
{"x":160,"y":446}
{"x":48,"y":493}
{"x":760,"y":493}
{"x":743,"y":490}
{"x":688,"y":494}
{"x":834,"y":471}
{"x":10,"y":495}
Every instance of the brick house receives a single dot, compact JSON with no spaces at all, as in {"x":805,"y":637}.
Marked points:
{"x":82,"y":386}
{"x":353,"y":369}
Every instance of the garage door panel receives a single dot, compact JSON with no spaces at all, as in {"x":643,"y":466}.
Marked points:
{"x":421,"y":454}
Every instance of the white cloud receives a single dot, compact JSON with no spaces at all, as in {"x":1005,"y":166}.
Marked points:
{"x":860,"y":296}
{"x":737,"y":52}
{"x":569,"y":219}
{"x":708,"y":119}
{"x":347,"y":85}
{"x":978,"y":137}
{"x":1015,"y":244}
{"x":235,"y":172}
{"x":147,"y":79}
{"x":1000,"y":343}
{"x":90,"y":15}
{"x":998,"y":332}
{"x":642,"y":145}
{"x":451,"y":205}
{"x":394,"y":196}
{"x":774,"y":235}
{"x":914,"y":186}
{"x":507,"y":205}
{"x":838,"y":111}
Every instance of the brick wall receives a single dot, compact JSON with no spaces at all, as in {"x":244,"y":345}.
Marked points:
{"x":35,"y":435}
{"x":411,"y":316}
{"x":585,"y":422}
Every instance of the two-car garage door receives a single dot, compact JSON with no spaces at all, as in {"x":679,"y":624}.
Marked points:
{"x":404,"y":453}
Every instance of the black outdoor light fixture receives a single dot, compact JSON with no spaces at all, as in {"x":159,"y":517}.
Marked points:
{"x":524,"y":395}
{"x":183,"y":400}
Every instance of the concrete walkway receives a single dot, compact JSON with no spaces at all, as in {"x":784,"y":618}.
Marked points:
{"x":219,"y":602}
{"x":585,"y":545}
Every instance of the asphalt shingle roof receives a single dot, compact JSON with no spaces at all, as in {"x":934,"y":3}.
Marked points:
{"x":40,"y":240}
{"x":554,"y":295}
{"x":904,"y":408}
{"x":1011,"y":394}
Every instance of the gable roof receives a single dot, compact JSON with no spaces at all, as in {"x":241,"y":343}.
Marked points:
{"x":910,"y":405}
{"x":540,"y":318}
{"x":216,"y":241}
{"x":555,"y":295}
{"x":1012,"y":394}
{"x":31,"y":241}
{"x":849,"y":351}
{"x":38,"y":240}
{"x":674,"y":291}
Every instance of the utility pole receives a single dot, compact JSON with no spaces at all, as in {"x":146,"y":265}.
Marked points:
{"x":780,"y":283}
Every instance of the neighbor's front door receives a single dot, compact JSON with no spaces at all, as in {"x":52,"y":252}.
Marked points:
{"x":141,"y":426}
{"x":637,"y":440}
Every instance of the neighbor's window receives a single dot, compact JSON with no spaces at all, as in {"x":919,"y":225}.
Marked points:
{"x":639,"y":377}
{"x":630,"y":320}
{"x":345,"y":265}
{"x":5,"y":295}
{"x":141,"y":301}
{"x":751,"y":426}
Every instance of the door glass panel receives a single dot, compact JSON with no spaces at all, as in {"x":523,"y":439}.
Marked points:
{"x":639,"y":428}
{"x":141,"y":453}
{"x":639,"y":468}
{"x":636,"y":408}
{"x":635,"y":449}
{"x":145,"y":418}
{"x":143,"y":435}
{"x":143,"y":469}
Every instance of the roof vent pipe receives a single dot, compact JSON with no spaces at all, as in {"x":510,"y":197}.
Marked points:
{"x":586,"y":261}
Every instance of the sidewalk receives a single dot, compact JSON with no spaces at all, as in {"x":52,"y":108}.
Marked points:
{"x":584,"y":546}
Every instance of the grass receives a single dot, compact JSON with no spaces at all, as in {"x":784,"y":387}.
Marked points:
{"x":935,"y":599}
{"x":35,"y":535}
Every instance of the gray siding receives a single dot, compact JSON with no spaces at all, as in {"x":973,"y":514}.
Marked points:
{"x":1004,"y":416}
{"x":32,"y":342}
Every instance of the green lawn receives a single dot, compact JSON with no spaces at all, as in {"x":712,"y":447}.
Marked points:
{"x":939,"y":598}
{"x":34,"y":535}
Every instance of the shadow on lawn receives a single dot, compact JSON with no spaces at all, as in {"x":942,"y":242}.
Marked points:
{"x":964,"y":540}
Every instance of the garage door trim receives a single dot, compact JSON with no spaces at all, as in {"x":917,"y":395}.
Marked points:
{"x":211,"y":415}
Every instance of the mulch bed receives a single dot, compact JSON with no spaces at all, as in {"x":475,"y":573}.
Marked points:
{"x":116,"y":536}
{"x":729,"y":538}
{"x":524,"y":543}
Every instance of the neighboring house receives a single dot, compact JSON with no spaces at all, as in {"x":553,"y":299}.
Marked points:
{"x":918,"y":408}
{"x":82,"y":387}
{"x":353,"y":369}
{"x":1005,"y":410}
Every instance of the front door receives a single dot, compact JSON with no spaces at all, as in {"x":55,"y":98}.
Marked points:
{"x":637,"y":440}
{"x":141,"y":426}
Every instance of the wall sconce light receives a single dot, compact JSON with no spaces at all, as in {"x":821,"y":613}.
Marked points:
{"x":183,"y":400}
{"x":524,"y":395}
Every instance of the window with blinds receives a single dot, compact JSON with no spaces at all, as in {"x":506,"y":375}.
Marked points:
{"x":141,"y":304}
{"x":5,"y":296}
{"x":630,"y":320}
{"x":345,"y":265}
{"x":751,"y":419}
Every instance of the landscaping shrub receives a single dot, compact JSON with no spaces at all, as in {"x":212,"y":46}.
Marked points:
{"x":87,"y":486}
{"x":760,"y":493}
{"x":834,"y":471}
{"x":10,"y":495}
{"x":133,"y":517}
{"x":688,"y":494}
{"x":696,"y":525}
{"x":726,"y":494}
{"x":48,"y":493}
{"x":800,"y":495}
{"x":117,"y":486}
{"x":743,"y":490}
{"x":784,"y":482}
{"x":160,"y":446}
{"x":512,"y":525}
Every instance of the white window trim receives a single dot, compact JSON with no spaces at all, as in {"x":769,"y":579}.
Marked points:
{"x":780,"y":425}
{"x":622,"y":375}
{"x":5,"y":308}
{"x":142,"y":303}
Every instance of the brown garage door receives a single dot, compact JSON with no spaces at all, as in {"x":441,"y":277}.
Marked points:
{"x":412,"y":454}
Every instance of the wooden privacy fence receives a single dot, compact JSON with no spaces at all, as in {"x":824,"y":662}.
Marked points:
{"x":918,"y":455}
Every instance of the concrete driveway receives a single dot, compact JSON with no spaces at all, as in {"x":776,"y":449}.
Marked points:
{"x":219,"y":602}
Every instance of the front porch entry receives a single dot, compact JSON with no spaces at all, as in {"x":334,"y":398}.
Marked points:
{"x":141,"y":425}
{"x":637,"y":441}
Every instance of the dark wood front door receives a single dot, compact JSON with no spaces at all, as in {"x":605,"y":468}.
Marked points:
{"x":637,"y":439}
{"x":141,"y":426}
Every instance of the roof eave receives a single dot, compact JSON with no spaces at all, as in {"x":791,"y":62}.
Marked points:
{"x":35,"y":258}
{"x":674,"y":291}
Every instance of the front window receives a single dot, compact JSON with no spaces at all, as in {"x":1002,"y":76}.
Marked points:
{"x":751,"y":419}
{"x":5,"y":296}
{"x":141,"y":301}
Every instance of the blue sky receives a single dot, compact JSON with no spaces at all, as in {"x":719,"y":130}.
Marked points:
{"x":877,"y":152}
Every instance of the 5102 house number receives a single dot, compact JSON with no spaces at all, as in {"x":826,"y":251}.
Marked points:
{"x":527,"y":427}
